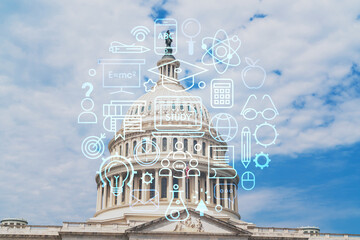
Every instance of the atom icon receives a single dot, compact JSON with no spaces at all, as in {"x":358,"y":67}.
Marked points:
{"x":221,"y":51}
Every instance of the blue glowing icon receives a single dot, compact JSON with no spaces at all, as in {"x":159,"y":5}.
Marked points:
{"x":248,"y":181}
{"x":245,"y":146}
{"x":191,"y":29}
{"x":222,"y":93}
{"x":178,"y":115}
{"x":176,"y":205}
{"x":262,"y":156}
{"x":201,"y":208}
{"x":93,"y":147}
{"x":221,"y":51}
{"x":121,"y":73}
{"x":226,"y":192}
{"x":165,"y":28}
{"x":265,"y":141}
{"x":118,"y":47}
{"x":140,"y":203}
{"x":114,"y":178}
{"x":140,"y":33}
{"x":146,"y":152}
{"x":150,"y":85}
{"x":250,"y":113}
{"x":87,"y":105}
{"x":253,"y":75}
{"x":223,"y":127}
{"x":223,"y":160}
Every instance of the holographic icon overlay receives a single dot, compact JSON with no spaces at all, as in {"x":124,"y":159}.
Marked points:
{"x":222,"y":50}
{"x":173,"y":211}
{"x":115,"y":115}
{"x":191,"y":29}
{"x":222,"y":93}
{"x":248,"y":180}
{"x":165,"y":29}
{"x":253,"y":76}
{"x":93,"y":147}
{"x":270,"y":128}
{"x":118,"y":47}
{"x":144,"y":154}
{"x":201,"y":208}
{"x":245,"y":146}
{"x":250,"y":113}
{"x":223,"y":127}
{"x":112,"y":167}
{"x":178,"y":115}
{"x":222,"y":165}
{"x":121,"y":73}
{"x":87,"y":105}
{"x":150,"y":85}
{"x":142,"y":204}
{"x":263,"y":163}
{"x":140,"y":33}
{"x":226,"y":192}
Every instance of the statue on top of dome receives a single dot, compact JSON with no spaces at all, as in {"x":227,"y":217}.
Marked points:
{"x":168,"y":41}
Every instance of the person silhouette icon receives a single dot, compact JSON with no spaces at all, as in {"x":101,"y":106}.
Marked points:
{"x":87,"y":104}
{"x":165,"y":171}
{"x":193,"y":171}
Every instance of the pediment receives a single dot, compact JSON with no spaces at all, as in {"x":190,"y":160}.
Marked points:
{"x":191,"y":222}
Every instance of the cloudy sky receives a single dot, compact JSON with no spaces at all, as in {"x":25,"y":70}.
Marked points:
{"x":309,"y":50}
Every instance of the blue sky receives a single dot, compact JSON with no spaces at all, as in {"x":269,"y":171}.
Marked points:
{"x":310,"y":51}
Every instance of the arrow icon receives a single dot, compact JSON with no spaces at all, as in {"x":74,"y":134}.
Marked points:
{"x":201,"y":207}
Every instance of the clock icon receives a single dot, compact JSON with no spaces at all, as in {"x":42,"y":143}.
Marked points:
{"x":146,"y":152}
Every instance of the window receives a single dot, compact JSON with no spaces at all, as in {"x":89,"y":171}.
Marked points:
{"x":198,"y":189}
{"x":203,"y":148}
{"x":164,"y":144}
{"x":164,"y":188}
{"x":187,"y":188}
{"x":195,"y":142}
{"x":181,"y":107}
{"x":173,"y":106}
{"x":136,"y":111}
{"x":143,"y":148}
{"x":153,"y":149}
{"x":176,"y":181}
{"x":211,"y":151}
{"x":134,"y":145}
{"x":174,"y":143}
{"x":152,"y":186}
{"x":185,"y":145}
{"x":140,"y":186}
{"x":120,"y":149}
{"x":214,"y":193}
{"x":149,"y":108}
{"x":142,"y":109}
{"x":123,"y":193}
{"x":126,"y":149}
{"x":116,"y":199}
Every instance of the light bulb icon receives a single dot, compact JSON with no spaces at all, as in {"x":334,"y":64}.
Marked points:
{"x":116,"y":186}
{"x":113,"y":167}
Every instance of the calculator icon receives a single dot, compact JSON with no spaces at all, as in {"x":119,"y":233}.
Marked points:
{"x":222,"y":93}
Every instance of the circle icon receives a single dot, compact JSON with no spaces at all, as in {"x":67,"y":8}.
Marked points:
{"x":146,"y":153}
{"x":191,"y":28}
{"x":93,"y":147}
{"x":202,"y":85}
{"x":218,"y":208}
{"x":92,"y":72}
{"x":223,"y":127}
{"x":87,"y":104}
{"x":266,"y":129}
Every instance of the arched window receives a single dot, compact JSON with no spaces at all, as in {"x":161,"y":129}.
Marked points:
{"x":195,"y":142}
{"x":126,"y":149}
{"x":174,"y":143}
{"x":173,"y":106}
{"x":134,"y":145}
{"x":181,"y":107}
{"x":153,"y":149}
{"x":185,"y":145}
{"x":143,"y":144}
{"x":142,"y":109}
{"x":203,"y":148}
{"x":176,"y":181}
{"x":164,"y":144}
{"x":164,"y":187}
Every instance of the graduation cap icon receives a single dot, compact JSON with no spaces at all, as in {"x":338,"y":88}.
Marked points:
{"x":178,"y":72}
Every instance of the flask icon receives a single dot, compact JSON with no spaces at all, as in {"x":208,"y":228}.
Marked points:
{"x":176,"y":206}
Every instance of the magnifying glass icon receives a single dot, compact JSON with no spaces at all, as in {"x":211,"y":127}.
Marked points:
{"x":191,"y":28}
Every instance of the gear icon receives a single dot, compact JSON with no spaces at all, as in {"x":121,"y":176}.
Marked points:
{"x":150,"y":178}
{"x":271,"y":142}
{"x":266,"y":164}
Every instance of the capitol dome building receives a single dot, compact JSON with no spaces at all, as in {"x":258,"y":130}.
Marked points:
{"x":165,"y":179}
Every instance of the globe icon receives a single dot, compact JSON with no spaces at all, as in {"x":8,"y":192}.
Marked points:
{"x":223,"y":127}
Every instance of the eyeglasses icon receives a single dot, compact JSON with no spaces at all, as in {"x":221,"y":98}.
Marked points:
{"x":268,"y":113}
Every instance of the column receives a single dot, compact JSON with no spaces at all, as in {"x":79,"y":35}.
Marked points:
{"x":111,"y":202}
{"x":196,"y":192}
{"x":143,"y":186}
{"x":106,"y":195}
{"x":208,"y":195}
{"x":170,"y":186}
{"x":183,"y":183}
{"x":232,"y":197}
{"x":120,"y":186}
{"x":235,"y":202}
{"x":98,"y":201}
{"x":157,"y":181}
{"x":217,"y":191}
{"x":226,"y":194}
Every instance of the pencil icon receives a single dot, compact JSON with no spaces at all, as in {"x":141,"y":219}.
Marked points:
{"x":118,"y":47}
{"x":245,"y":146}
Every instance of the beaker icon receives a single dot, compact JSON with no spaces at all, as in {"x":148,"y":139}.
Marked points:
{"x":176,"y":206}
